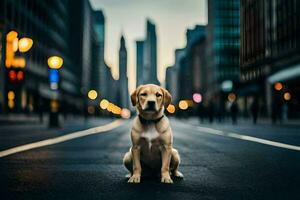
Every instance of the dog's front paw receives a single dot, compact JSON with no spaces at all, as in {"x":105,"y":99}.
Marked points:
{"x":165,"y":178}
{"x":135,"y":178}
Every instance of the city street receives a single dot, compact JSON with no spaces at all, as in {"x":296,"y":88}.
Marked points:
{"x":218,"y":162}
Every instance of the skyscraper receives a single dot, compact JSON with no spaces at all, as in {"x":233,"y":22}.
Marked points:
{"x":223,"y":43}
{"x":147,"y":57}
{"x":99,"y":67}
{"x":270,"y":49}
{"x":124,"y":100}
{"x":139,"y":62}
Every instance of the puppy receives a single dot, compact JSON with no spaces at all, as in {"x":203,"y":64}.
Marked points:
{"x":151,"y":136}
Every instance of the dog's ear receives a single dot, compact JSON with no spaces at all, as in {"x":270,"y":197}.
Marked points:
{"x":167,"y":97}
{"x":134,"y":96}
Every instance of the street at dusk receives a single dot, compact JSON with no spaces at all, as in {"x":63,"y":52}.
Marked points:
{"x":214,"y":166}
{"x":150,"y":99}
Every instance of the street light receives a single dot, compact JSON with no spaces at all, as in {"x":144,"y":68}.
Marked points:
{"x":54,"y":63}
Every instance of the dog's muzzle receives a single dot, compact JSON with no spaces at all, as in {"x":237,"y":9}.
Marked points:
{"x":150,"y":106}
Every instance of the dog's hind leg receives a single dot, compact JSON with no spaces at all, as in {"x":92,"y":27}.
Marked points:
{"x":127,"y":161}
{"x":174,"y":164}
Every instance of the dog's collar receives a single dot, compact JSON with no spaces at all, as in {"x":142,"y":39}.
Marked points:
{"x":151,"y":121}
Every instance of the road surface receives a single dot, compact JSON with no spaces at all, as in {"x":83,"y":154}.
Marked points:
{"x":215,"y":164}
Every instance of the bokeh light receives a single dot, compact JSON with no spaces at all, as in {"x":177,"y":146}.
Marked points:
{"x":25,"y":44}
{"x":231,"y":97}
{"x":91,"y":110}
{"x":278,"y":86}
{"x":287,"y":96}
{"x":125,"y":113}
{"x":11,"y":95}
{"x":11,"y":36}
{"x":171,"y":108}
{"x":92,"y":94}
{"x":104,"y":104}
{"x":55,"y":62}
{"x":183,"y":105}
{"x":197,"y":97}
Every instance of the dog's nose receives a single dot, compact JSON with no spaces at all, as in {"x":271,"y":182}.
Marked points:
{"x":151,"y":105}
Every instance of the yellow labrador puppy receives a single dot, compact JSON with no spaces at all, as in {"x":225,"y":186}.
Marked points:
{"x":151,"y":136}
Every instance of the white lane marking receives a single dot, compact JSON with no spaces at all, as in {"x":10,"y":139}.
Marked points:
{"x":56,"y":140}
{"x":249,"y":138}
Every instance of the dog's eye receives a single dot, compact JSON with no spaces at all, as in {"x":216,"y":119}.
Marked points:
{"x":143,"y":94}
{"x":158,"y":95}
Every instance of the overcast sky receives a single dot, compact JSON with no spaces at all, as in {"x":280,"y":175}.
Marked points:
{"x":171,"y":17}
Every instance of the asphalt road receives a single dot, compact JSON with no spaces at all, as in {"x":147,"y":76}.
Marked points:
{"x":215,"y":166}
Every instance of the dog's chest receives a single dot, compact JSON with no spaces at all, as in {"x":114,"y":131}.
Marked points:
{"x":150,"y":133}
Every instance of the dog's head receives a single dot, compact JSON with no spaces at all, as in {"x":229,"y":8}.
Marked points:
{"x":150,"y":98}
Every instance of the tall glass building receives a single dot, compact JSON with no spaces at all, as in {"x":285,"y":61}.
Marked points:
{"x":223,"y":43}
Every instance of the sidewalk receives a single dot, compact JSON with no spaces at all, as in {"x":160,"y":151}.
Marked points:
{"x":18,"y":119}
{"x":33,"y":119}
{"x":243,"y":122}
{"x":18,"y":134}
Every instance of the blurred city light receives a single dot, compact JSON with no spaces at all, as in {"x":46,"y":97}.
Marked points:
{"x":197,"y":97}
{"x":19,"y":62}
{"x":54,"y":105}
{"x":15,"y":44}
{"x":11,"y":95}
{"x":20,"y":76}
{"x":125,"y":113}
{"x":12,"y":75}
{"x":116,"y":110}
{"x":104,"y":104}
{"x":53,"y":76}
{"x":183,"y":104}
{"x":11,"y":36}
{"x":91,"y":110}
{"x":53,"y":86}
{"x":287,"y":96}
{"x":11,"y":98}
{"x":171,"y":108}
{"x":110,"y":107}
{"x":92,"y":94}
{"x":25,"y":44}
{"x":231,"y":97}
{"x":278,"y":86}
{"x":55,"y":62}
{"x":11,"y":104}
{"x":227,"y":86}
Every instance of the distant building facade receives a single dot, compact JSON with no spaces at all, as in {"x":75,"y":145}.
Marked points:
{"x":189,"y":71}
{"x":123,"y":78}
{"x":172,"y":75}
{"x":31,"y":19}
{"x":99,"y":68}
{"x":139,"y":62}
{"x":270,"y":53}
{"x":147,"y":57}
{"x":223,"y":44}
